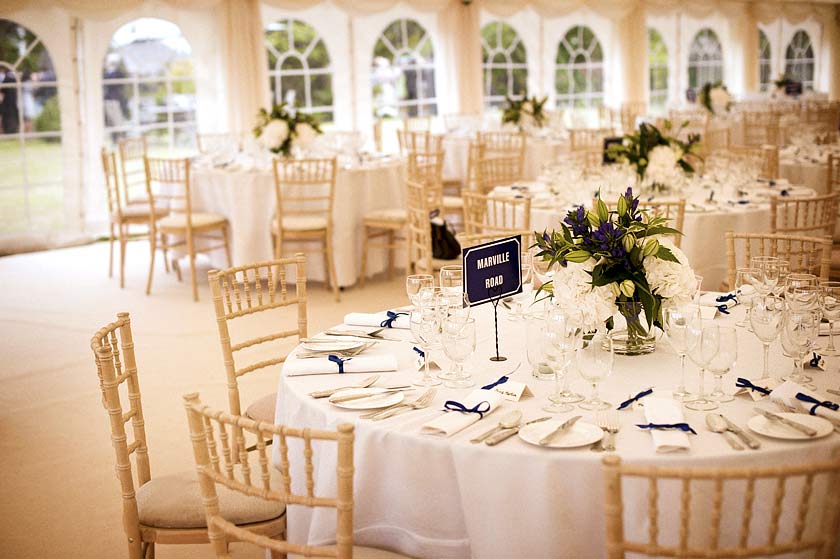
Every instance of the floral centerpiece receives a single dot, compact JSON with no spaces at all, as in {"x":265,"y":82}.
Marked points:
{"x":525,"y":113}
{"x":280,"y":129}
{"x":659,"y":159}
{"x":715,"y":97}
{"x":618,"y":262}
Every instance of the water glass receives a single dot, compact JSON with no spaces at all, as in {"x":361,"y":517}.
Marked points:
{"x":798,"y":337}
{"x":830,"y":306}
{"x":723,"y":362}
{"x":703,"y":343}
{"x":766,"y":318}
{"x":425,"y":326}
{"x":570,"y":322}
{"x":595,"y":363}
{"x":416,"y":282}
{"x":458,"y":345}
{"x":535,"y":325}
{"x":744,"y":291}
{"x":698,"y":286}
{"x":452,"y":277}
{"x":677,"y":321}
{"x":562,"y":338}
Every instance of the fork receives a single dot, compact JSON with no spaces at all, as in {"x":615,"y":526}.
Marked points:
{"x":609,"y":423}
{"x":309,"y":354}
{"x":423,"y":401}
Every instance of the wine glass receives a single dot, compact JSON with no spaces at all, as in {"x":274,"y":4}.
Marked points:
{"x":798,"y":336}
{"x":452,"y":277}
{"x":676,"y":322}
{"x":562,"y":337}
{"x":425,"y":326}
{"x":766,"y":319}
{"x":414,"y":283}
{"x":459,"y":345}
{"x":698,"y":284}
{"x":766,"y":273}
{"x":595,"y":363}
{"x":792,"y":281}
{"x":723,"y":362}
{"x":803,"y":298}
{"x":519,"y":302}
{"x":784,"y":272}
{"x":560,"y":316}
{"x":830,"y":306}
{"x":703,"y":343}
{"x":744,"y":291}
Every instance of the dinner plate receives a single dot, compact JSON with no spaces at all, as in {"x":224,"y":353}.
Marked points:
{"x":378,"y":399}
{"x":581,"y":434}
{"x":332,"y":344}
{"x":776,"y":430}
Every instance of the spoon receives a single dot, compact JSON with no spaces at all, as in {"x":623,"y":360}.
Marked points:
{"x":717,"y":424}
{"x":507,"y":421}
{"x":367,"y":383}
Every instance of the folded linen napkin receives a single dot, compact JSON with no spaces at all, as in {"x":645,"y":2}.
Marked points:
{"x":816,"y":406}
{"x":723,"y":301}
{"x":786,"y":393}
{"x":378,"y":319}
{"x":325,"y":366}
{"x":666,"y":411}
{"x":451,"y":422}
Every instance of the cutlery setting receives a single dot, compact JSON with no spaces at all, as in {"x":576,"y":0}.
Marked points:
{"x":508,"y":433}
{"x":773,"y":417}
{"x":563,"y":428}
{"x":423,"y":401}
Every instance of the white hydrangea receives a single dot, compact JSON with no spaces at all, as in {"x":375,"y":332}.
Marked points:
{"x":573,"y":288}
{"x":662,"y":165}
{"x":670,"y":280}
{"x":305,"y":133}
{"x":274,"y":134}
{"x":719,"y":98}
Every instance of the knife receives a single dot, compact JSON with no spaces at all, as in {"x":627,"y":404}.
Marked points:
{"x":385,"y":391}
{"x":785,"y":421}
{"x":508,"y":433}
{"x":565,"y":426}
{"x":749,"y":440}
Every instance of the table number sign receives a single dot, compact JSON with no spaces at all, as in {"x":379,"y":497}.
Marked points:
{"x":492,"y":272}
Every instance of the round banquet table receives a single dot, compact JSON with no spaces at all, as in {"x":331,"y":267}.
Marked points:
{"x":810,"y":174}
{"x":538,"y":151}
{"x":441,"y":498}
{"x":247,"y":199}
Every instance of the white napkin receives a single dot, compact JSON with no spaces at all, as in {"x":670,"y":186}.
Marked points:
{"x":710,"y":300}
{"x":375,"y":320}
{"x":667,"y":411}
{"x":451,"y":422}
{"x":786,"y":393}
{"x":824,"y":327}
{"x":323,"y":366}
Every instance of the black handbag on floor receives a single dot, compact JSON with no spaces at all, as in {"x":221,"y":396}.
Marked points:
{"x":444,"y":244}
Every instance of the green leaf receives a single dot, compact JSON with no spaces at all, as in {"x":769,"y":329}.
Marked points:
{"x":665,"y":254}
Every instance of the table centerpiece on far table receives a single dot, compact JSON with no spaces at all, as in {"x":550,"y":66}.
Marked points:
{"x":281,"y":129}
{"x":526,"y":113}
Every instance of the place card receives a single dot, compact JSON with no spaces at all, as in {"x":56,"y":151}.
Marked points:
{"x":708,"y":313}
{"x":816,"y":362}
{"x":513,"y":391}
{"x":420,"y":362}
{"x":769,"y":384}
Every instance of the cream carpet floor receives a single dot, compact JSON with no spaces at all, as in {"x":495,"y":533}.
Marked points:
{"x":59,"y":496}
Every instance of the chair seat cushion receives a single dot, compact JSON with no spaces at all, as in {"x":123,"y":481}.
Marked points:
{"x":301,"y":223}
{"x":141,"y":210}
{"x":263,"y":409}
{"x":174,"y":501}
{"x":199,"y":220}
{"x":453,"y":202}
{"x":388,"y":214}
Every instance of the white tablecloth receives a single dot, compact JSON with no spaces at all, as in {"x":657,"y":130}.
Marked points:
{"x":537,"y":152}
{"x":247,"y":199}
{"x":812,"y":175}
{"x":445,"y":498}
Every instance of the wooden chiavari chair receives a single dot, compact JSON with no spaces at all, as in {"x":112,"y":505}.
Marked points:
{"x":630,"y":111}
{"x":210,"y":142}
{"x":468,"y":240}
{"x":172,"y":179}
{"x":216,"y":434}
{"x":164,"y":509}
{"x":419,"y":142}
{"x":239,"y":292}
{"x":495,"y":214}
{"x":122,"y":216}
{"x":672,"y":210}
{"x":131,"y":152}
{"x":833,"y":174}
{"x":421,"y":203}
{"x":815,"y":216}
{"x":696,"y":121}
{"x":805,"y":254}
{"x":496,"y":171}
{"x":418,"y":124}
{"x":589,"y":139}
{"x":305,"y":191}
{"x":793,"y":489}
{"x":715,"y":139}
{"x":760,"y":128}
{"x":766,"y":158}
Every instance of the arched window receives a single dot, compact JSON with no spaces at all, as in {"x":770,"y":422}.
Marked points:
{"x":147,"y":85}
{"x":579,"y":70}
{"x":764,"y":62}
{"x":705,"y":59}
{"x":31,"y":176}
{"x":799,"y":60}
{"x":403,"y":72}
{"x":658,"y":68}
{"x":299,"y":68}
{"x":504,"y":63}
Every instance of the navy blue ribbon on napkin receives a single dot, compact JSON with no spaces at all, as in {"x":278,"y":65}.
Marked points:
{"x":420,"y":352}
{"x":480,"y":408}
{"x":784,"y":193}
{"x":744,"y":383}
{"x":817,"y":404}
{"x":339,"y":361}
{"x":815,"y":360}
{"x":723,"y":309}
{"x":502,"y":379}
{"x":392,"y":316}
{"x":636,"y":398}
{"x":681,"y":426}
{"x":727,"y":297}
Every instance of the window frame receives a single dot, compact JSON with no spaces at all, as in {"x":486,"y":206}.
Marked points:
{"x":591,"y":98}
{"x":488,"y":64}
{"x":664,"y":94}
{"x":791,"y":64}
{"x":705,"y":65}
{"x":765,"y":61}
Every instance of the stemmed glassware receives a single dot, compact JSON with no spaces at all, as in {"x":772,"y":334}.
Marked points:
{"x":459,"y":345}
{"x":703,"y":344}
{"x":415,"y":283}
{"x":535,"y":326}
{"x":574,"y":316}
{"x":830,"y":306}
{"x":452,"y":277}
{"x":766,"y":273}
{"x":803,"y":298}
{"x":799,"y":333}
{"x":677,"y":321}
{"x":744,"y":291}
{"x":520,"y":301}
{"x":425,"y":321}
{"x":766,"y":318}
{"x":723,"y":361}
{"x":595,"y":363}
{"x":563,"y":337}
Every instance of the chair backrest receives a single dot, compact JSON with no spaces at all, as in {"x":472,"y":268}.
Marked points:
{"x":815,"y":216}
{"x":239,"y":292}
{"x":467,"y":240}
{"x":113,"y":349}
{"x":695,"y":120}
{"x":495,"y":214}
{"x":419,"y":141}
{"x":305,"y":187}
{"x":766,"y":157}
{"x":418,"y":123}
{"x":132,"y":151}
{"x":589,"y":139}
{"x":419,"y":228}
{"x":673,"y":210}
{"x":427,"y":168}
{"x":760,"y":128}
{"x":491,"y":172}
{"x":210,"y":142}
{"x":630,"y":111}
{"x":715,"y":138}
{"x":502,"y":144}
{"x":792,"y":489}
{"x":805,"y":254}
{"x":169,"y":180}
{"x":219,"y":442}
{"x":112,"y":183}
{"x":833,"y":173}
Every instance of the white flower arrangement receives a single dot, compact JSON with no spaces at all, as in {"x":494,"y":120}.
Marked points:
{"x":277,"y":130}
{"x":716,"y":98}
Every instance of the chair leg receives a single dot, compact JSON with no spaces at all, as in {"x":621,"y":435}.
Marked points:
{"x":164,"y":243}
{"x":330,"y":258}
{"x":153,"y":245}
{"x":111,"y":252}
{"x":363,"y":264}
{"x":227,"y":246}
{"x":391,"y":254}
{"x":123,"y":243}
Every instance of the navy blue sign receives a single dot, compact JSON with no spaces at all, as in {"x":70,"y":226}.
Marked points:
{"x":690,"y":95}
{"x":610,"y":142}
{"x":492,"y":270}
{"x":793,"y":88}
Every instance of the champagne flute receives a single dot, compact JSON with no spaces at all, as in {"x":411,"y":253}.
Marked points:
{"x":830,"y":306}
{"x":677,"y":321}
{"x":703,"y":344}
{"x":595,"y":363}
{"x":744,"y":291}
{"x":723,"y":362}
{"x":459,"y":345}
{"x":766,"y":319}
{"x":415,"y":283}
{"x":425,"y":326}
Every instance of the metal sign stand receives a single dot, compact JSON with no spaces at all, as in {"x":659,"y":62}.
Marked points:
{"x":495,"y":302}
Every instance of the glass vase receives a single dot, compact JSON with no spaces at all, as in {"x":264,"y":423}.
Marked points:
{"x":636,"y":338}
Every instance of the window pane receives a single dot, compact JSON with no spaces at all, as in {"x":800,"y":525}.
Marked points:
{"x":520,"y":81}
{"x":153,"y":102}
{"x":504,"y":73}
{"x":393,"y":33}
{"x":43,"y":160}
{"x":40,"y":109}
{"x":488,"y":33}
{"x":294,"y":90}
{"x":318,"y":58}
{"x":292,"y":63}
{"x":561,"y":81}
{"x":579,"y":68}
{"x":322,"y":90}
{"x":498,"y":81}
{"x":302,"y":35}
{"x":397,"y":81}
{"x":517,"y":55}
